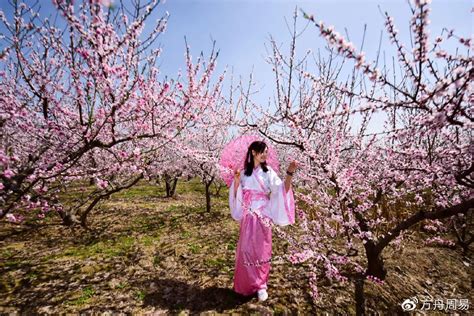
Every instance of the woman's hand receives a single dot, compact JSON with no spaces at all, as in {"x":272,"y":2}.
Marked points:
{"x":236,"y":180}
{"x":237,"y":176}
{"x":292,"y":167}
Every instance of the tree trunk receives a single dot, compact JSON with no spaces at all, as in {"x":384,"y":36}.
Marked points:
{"x":359,"y":296}
{"x":208,"y":195}
{"x":170,"y":184}
{"x":167,"y":186}
{"x":462,"y":227}
{"x":375,"y":264}
{"x":105,"y":195}
{"x":173,"y":186}
{"x":218,"y":190}
{"x":69,"y":219}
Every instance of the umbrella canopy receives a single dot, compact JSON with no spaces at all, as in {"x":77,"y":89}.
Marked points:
{"x":233,"y":157}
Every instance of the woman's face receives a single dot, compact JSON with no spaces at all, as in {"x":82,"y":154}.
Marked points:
{"x":260,"y":157}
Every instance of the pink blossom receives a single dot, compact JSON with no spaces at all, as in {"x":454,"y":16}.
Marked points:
{"x":8,"y":173}
{"x":106,"y":3}
{"x":102,"y":184}
{"x":375,"y":279}
{"x":14,"y":218}
{"x":440,"y":241}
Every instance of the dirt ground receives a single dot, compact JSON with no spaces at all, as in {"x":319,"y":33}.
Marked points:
{"x":147,"y":254}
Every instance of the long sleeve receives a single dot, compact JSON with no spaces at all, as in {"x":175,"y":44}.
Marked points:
{"x":282,"y":203}
{"x":235,"y":202}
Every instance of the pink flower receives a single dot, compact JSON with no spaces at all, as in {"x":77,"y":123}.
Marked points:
{"x":102,"y":184}
{"x":8,"y":173}
{"x":439,"y":241}
{"x":106,"y":3}
{"x":375,"y":279}
{"x":301,"y":256}
{"x":14,"y":219}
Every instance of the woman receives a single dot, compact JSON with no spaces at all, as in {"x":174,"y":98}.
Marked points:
{"x":257,"y":197}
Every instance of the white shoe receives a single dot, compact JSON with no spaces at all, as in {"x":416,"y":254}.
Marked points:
{"x":262,"y":295}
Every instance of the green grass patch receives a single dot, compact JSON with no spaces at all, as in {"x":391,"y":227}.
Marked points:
{"x":110,"y":248}
{"x":86,"y":294}
{"x":186,"y":234}
{"x":140,"y":295}
{"x":193,"y":185}
{"x":6,"y":254}
{"x":14,"y":263}
{"x":49,"y":257}
{"x":32,"y":276}
{"x":194,"y":248}
{"x":122,"y":285}
{"x":75,"y":190}
{"x":145,"y":224}
{"x":231,"y":245}
{"x":143,"y":189}
{"x":148,"y":241}
{"x":157,"y":261}
{"x":216,"y":262}
{"x":199,"y":208}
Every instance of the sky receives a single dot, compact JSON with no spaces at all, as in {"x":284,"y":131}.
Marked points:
{"x":242,"y":28}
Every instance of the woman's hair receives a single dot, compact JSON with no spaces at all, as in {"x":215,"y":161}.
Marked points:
{"x":258,"y":147}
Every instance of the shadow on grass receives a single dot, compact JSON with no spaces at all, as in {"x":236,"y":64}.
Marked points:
{"x":175,"y":295}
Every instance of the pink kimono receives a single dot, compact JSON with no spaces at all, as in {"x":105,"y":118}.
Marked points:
{"x":262,"y":193}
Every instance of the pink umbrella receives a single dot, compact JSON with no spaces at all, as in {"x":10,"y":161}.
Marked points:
{"x":233,"y":157}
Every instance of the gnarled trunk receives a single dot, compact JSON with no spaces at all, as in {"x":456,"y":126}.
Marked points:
{"x":170,"y":185}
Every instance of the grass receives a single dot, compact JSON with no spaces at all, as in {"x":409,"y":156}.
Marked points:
{"x":122,"y":285}
{"x":148,"y":241}
{"x":231,"y":245}
{"x":14,"y":264}
{"x":216,"y":262}
{"x":140,"y":295}
{"x":173,"y":209}
{"x":156,"y":261}
{"x":186,"y":234}
{"x":144,"y":224}
{"x":86,"y":294}
{"x":142,"y":190}
{"x":6,"y":254}
{"x":110,"y":248}
{"x":194,"y":248}
{"x":32,"y":276}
